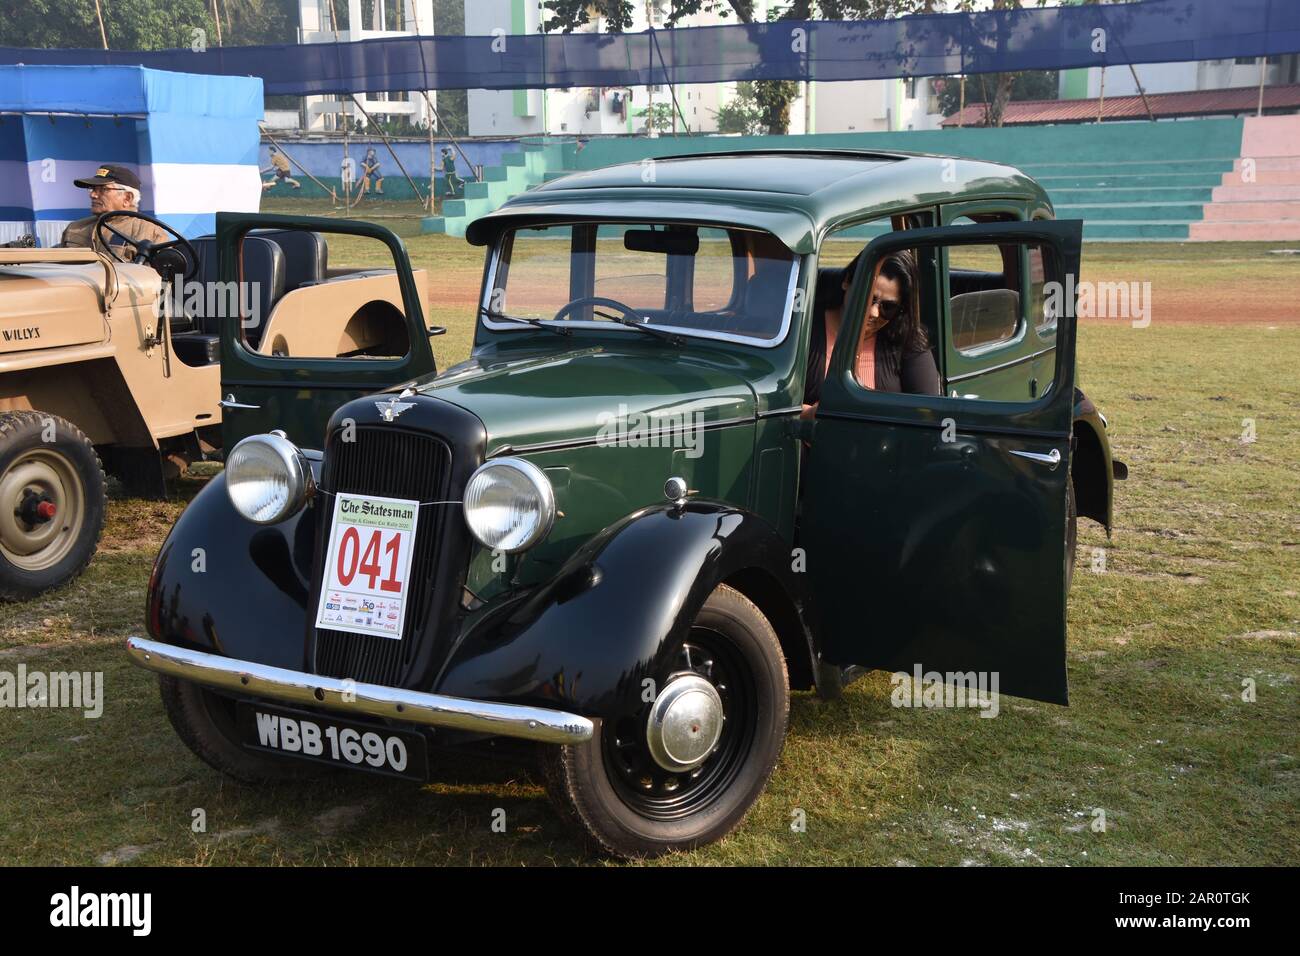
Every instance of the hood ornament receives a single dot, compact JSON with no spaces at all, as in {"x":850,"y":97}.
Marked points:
{"x":392,"y":408}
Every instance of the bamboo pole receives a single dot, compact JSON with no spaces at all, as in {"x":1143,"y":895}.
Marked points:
{"x":1141,"y":92}
{"x":103,"y":34}
{"x":1101,"y":100}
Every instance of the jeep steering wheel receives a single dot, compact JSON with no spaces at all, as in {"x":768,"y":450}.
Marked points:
{"x":628,"y":312}
{"x":151,"y":253}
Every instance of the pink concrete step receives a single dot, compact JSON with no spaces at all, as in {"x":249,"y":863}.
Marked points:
{"x":1265,"y":177}
{"x":1271,"y":136}
{"x":1256,"y":193}
{"x":1270,"y":163}
{"x":1251,"y":211}
{"x":1264,"y":230}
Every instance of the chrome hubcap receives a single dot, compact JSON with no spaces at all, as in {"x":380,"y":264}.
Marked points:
{"x":685,"y":723}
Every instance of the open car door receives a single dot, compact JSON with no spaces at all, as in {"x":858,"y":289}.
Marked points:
{"x":327,"y":310}
{"x":935,"y":525}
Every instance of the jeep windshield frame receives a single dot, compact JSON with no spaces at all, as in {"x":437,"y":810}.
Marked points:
{"x":764,"y":277}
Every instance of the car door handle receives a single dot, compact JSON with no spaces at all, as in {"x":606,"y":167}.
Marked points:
{"x":1051,"y":459}
{"x":229,"y":402}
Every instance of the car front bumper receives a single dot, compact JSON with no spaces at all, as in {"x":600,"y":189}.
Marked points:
{"x":349,"y":697}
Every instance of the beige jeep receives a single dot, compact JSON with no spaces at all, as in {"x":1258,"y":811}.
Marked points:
{"x":97,"y":364}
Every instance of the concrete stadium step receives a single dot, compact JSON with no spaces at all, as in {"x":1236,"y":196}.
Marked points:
{"x":1251,"y":211}
{"x":1269,"y":163}
{"x":1101,"y":180}
{"x":1135,"y":168}
{"x":1256,"y":192}
{"x":1150,"y":229}
{"x":1132,"y":212}
{"x":1264,"y":177}
{"x":1086,"y":197}
{"x":1257,"y":231}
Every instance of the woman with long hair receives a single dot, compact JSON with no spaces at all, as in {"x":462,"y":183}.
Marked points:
{"x":893,"y":350}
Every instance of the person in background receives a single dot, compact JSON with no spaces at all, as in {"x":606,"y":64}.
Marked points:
{"x":454,"y":183}
{"x":280,"y":167}
{"x":370,"y":172}
{"x":112,"y":188}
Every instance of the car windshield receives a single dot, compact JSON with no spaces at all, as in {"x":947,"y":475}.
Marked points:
{"x":711,"y":281}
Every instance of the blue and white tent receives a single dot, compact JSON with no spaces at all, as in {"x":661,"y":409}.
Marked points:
{"x":191,"y":139}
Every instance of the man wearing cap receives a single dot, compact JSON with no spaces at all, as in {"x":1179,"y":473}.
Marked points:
{"x":113,"y":187}
{"x":454,"y":184}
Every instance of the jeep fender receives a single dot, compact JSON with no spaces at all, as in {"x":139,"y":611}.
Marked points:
{"x":587,"y":640}
{"x":1091,"y":464}
{"x":228,"y":586}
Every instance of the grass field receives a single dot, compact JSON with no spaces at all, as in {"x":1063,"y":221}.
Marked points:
{"x":1200,"y":592}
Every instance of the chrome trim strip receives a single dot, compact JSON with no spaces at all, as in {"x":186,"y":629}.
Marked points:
{"x":997,"y":368}
{"x":350,"y":697}
{"x":1051,"y":460}
{"x":564,"y":444}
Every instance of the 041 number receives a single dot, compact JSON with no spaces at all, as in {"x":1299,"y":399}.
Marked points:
{"x":353,"y":558}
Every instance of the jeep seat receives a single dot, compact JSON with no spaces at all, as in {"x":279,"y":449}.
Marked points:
{"x":264,"y":265}
{"x":306,"y":255}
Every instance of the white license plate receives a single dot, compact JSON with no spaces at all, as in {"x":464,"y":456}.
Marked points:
{"x":367,"y":572}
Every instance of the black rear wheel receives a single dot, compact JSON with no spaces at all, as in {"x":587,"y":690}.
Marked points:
{"x":684,"y":769}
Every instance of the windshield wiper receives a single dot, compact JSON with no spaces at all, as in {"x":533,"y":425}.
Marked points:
{"x":668,"y":337}
{"x":535,"y":323}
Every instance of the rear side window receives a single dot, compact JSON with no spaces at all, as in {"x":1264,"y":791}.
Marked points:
{"x":984,"y":305}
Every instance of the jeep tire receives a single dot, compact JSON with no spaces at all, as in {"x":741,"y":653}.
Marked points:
{"x":52,"y":502}
{"x":205,"y":721}
{"x":624,"y":800}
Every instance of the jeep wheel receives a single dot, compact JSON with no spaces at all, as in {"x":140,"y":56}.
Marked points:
{"x":684,"y":770}
{"x":52,"y":500}
{"x":205,"y":721}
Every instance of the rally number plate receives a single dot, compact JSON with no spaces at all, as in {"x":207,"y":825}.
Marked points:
{"x":367,"y":580}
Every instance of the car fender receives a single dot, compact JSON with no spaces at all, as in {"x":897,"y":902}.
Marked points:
{"x":225,"y":585}
{"x":588,"y":640}
{"x":1092,"y":467}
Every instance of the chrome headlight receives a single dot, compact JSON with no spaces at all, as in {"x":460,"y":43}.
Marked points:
{"x":509,"y":504}
{"x":267,"y":478}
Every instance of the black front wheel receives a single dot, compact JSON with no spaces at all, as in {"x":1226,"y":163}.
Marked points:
{"x":684,"y":769}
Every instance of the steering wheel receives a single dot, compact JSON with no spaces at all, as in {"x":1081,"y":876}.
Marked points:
{"x":163,"y":256}
{"x":628,"y":312}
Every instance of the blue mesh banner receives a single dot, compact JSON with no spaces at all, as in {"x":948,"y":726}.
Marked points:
{"x":1154,"y":31}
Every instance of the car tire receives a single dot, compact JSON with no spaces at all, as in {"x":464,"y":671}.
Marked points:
{"x":628,"y":805}
{"x":46,"y":465}
{"x":205,"y":721}
{"x":1071,"y":535}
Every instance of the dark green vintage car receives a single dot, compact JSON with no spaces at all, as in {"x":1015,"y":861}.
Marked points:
{"x":714,"y":442}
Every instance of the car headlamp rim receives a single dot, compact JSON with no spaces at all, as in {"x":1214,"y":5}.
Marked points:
{"x":297,"y":470}
{"x":541,"y":485}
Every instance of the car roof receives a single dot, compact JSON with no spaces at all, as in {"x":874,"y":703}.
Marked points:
{"x":796,"y":194}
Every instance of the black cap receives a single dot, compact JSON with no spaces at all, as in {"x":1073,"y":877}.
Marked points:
{"x":110,"y":174}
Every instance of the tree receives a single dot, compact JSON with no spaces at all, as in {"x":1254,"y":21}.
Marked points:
{"x":1029,"y":85}
{"x":128,"y":24}
{"x":659,"y":116}
{"x":743,"y":114}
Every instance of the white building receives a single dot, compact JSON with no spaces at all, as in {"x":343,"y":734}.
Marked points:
{"x":1180,"y":77}
{"x":859,"y":105}
{"x":411,"y":18}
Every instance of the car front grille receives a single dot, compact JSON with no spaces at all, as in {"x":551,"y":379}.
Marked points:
{"x":386,"y":462}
